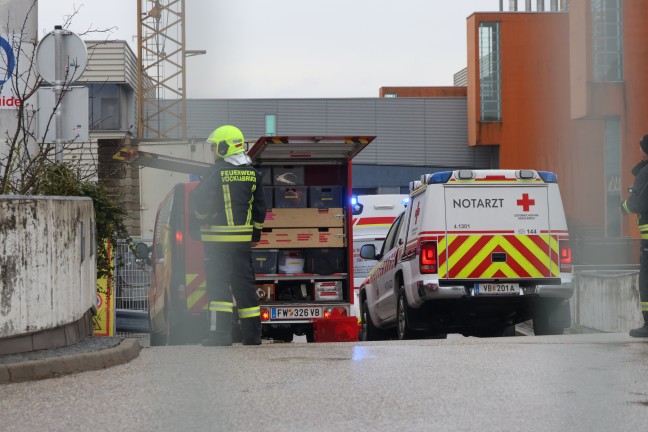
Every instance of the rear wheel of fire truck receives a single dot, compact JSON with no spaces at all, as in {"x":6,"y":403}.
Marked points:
{"x":156,"y":339}
{"x":369,"y":331}
{"x":402,"y":329}
{"x":173,"y":331}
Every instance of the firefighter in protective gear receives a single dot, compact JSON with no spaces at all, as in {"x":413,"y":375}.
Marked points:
{"x":230,"y":207}
{"x":637,"y":202}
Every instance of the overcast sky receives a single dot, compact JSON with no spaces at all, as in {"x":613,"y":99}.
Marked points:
{"x":299,"y":48}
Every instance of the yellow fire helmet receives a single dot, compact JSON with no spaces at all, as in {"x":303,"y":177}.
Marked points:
{"x":228,"y":140}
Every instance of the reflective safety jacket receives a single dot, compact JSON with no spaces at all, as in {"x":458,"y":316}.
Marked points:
{"x":229,"y":204}
{"x":637,"y":202}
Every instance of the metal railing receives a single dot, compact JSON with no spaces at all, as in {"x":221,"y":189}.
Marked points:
{"x":131,"y":282}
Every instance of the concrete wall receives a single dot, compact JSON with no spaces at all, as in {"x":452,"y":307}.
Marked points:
{"x":48,"y":264}
{"x":607,"y":301}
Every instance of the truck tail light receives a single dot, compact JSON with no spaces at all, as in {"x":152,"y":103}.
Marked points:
{"x":565,"y":253}
{"x":335,"y":312}
{"x":265,"y":314}
{"x":178,"y":238}
{"x":428,"y":262}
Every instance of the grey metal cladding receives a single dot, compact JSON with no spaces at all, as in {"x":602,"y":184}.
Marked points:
{"x":410,"y":131}
{"x":400,"y":131}
{"x":301,"y":117}
{"x":205,"y":115}
{"x":249,"y":115}
{"x":446,"y":133}
{"x":353,"y":117}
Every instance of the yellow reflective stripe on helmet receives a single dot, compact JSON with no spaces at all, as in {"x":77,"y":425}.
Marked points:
{"x":249,"y":312}
{"x":221,"y":306}
{"x":226,"y":238}
{"x":644,"y":306}
{"x":625,"y":207}
{"x":227,"y":200}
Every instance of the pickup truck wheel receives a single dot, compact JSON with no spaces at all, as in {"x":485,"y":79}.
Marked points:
{"x":369,"y":331}
{"x":403,"y":330}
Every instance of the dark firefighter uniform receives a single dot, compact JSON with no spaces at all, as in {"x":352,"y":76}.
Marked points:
{"x":637,"y":202}
{"x":230,"y":207}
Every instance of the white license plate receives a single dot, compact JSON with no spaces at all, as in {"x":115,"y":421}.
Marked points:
{"x":497,"y":289}
{"x":289,"y":313}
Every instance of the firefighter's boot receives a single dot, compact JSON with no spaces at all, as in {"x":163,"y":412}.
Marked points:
{"x":641,"y":332}
{"x":220,"y":333}
{"x":251,"y":329}
{"x":217,"y":338}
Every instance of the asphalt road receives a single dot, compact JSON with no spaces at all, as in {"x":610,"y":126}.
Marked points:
{"x":591,"y":382}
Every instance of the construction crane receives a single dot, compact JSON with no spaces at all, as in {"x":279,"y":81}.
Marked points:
{"x":161,"y":80}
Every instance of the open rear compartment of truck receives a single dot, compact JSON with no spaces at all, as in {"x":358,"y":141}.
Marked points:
{"x":303,"y":263}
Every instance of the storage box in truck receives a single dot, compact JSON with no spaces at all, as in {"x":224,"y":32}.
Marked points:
{"x":311,"y":229}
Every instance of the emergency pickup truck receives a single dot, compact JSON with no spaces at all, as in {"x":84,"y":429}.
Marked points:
{"x":475,"y":252}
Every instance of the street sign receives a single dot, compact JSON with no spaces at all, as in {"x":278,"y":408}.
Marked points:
{"x":73,"y":53}
{"x":74,"y":124}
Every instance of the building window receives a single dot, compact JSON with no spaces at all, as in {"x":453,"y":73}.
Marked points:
{"x":270,"y":125}
{"x":613,"y":176}
{"x":607,"y":40}
{"x":490,"y":83}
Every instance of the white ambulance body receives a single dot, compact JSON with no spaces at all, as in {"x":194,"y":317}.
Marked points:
{"x":475,"y":252}
{"x":372,"y":217}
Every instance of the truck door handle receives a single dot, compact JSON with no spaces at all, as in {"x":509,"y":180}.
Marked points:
{"x":498,"y":257}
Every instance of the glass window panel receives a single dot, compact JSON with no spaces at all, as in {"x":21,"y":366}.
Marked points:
{"x":489,"y":72}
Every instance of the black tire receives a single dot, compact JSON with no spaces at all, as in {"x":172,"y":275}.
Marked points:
{"x":403,"y":331}
{"x":541,"y":327}
{"x":500,"y":331}
{"x":551,"y":317}
{"x":285,"y":335}
{"x":369,"y":331}
{"x":155,"y":338}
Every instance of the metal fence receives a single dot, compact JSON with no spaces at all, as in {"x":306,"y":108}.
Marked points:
{"x":131,"y":281}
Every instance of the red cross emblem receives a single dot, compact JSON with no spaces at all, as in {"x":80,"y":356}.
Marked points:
{"x":525,"y":202}
{"x":417,"y":212}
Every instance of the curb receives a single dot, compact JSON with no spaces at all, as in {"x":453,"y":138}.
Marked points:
{"x":54,"y":367}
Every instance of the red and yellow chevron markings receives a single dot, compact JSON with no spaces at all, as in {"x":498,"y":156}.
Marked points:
{"x":196,"y":292}
{"x":470,"y":256}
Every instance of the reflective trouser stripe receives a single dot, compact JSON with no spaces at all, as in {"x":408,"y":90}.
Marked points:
{"x":249,"y":312}
{"x":257,"y":225}
{"x":221,"y":306}
{"x":644,"y":306}
{"x":226,"y":238}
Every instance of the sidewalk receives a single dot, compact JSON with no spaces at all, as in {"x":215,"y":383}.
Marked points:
{"x":92,"y":353}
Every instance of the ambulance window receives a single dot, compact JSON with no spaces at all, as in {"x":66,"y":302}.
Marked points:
{"x":392,"y":235}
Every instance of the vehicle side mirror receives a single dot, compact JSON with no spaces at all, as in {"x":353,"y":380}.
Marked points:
{"x":141,"y":250}
{"x":368,"y":251}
